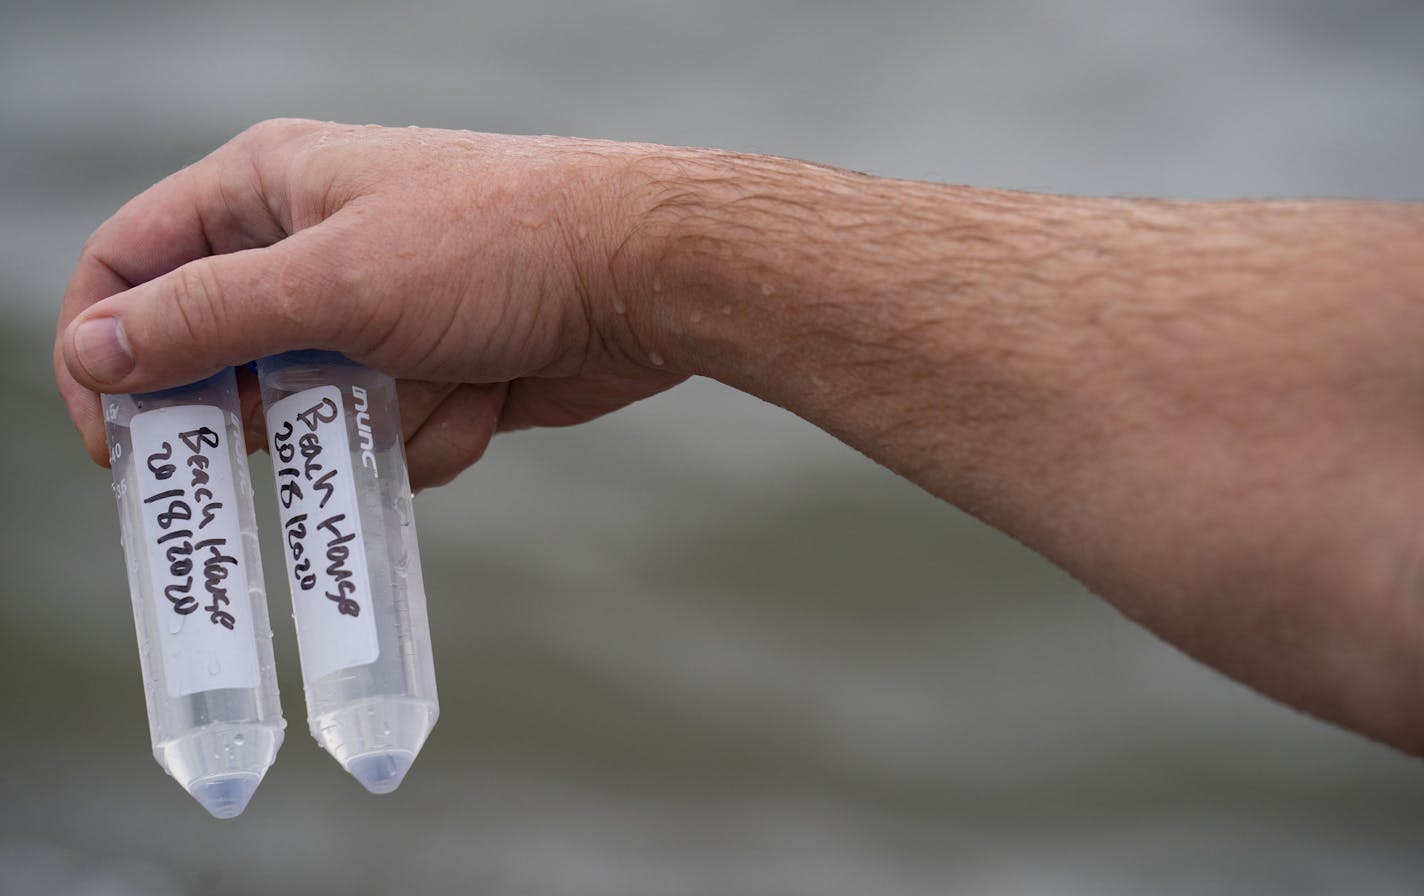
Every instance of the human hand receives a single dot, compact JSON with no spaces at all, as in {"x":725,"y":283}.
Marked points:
{"x":491,"y":274}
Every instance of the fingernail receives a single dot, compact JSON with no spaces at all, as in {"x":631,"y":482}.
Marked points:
{"x":103,"y":350}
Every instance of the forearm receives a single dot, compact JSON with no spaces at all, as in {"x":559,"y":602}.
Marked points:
{"x":914,"y":321}
{"x":968,"y":339}
{"x":1203,"y":410}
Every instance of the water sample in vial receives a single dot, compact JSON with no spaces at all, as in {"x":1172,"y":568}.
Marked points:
{"x":348,"y":533}
{"x":195,"y":576}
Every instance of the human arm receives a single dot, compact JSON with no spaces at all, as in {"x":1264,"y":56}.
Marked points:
{"x":1205,"y":411}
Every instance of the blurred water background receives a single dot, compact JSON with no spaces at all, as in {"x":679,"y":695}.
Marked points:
{"x":698,"y":647}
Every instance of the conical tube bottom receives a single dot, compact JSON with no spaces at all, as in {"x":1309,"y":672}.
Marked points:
{"x":222,"y":763}
{"x":225,"y":796}
{"x":381,"y":772}
{"x":376,"y":740}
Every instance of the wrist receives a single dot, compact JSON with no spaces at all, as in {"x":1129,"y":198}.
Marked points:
{"x":678,"y":298}
{"x":730,"y":268}
{"x":841,"y":297}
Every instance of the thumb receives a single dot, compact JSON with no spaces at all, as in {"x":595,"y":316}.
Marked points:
{"x":211,"y":313}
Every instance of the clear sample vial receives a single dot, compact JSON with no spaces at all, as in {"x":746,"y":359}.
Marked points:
{"x":348,"y":534}
{"x":195,"y":576}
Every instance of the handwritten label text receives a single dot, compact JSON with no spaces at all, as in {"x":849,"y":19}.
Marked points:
{"x":321,"y":530}
{"x":193,"y":539}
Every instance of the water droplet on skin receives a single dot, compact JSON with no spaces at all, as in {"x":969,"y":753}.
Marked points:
{"x":657,"y":284}
{"x":582,"y":232}
{"x":618,"y":307}
{"x":696,"y":317}
{"x":655,"y":359}
{"x":726,"y":310}
{"x":766,"y":289}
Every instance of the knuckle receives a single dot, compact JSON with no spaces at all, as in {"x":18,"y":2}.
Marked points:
{"x":276,"y":128}
{"x":299,"y":284}
{"x":197,"y":300}
{"x":304,"y":290}
{"x":91,"y":241}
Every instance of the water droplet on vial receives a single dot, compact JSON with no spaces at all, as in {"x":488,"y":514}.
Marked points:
{"x":386,"y":729}
{"x":239,"y":739}
{"x":214,"y":666}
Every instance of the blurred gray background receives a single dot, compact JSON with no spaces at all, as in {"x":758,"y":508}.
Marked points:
{"x":698,"y":647}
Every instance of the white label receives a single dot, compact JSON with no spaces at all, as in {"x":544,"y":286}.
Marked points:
{"x":321,"y":531}
{"x":193,"y":538}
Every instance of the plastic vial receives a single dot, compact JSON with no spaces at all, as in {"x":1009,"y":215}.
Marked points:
{"x":195,"y":575}
{"x":348,"y":533}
